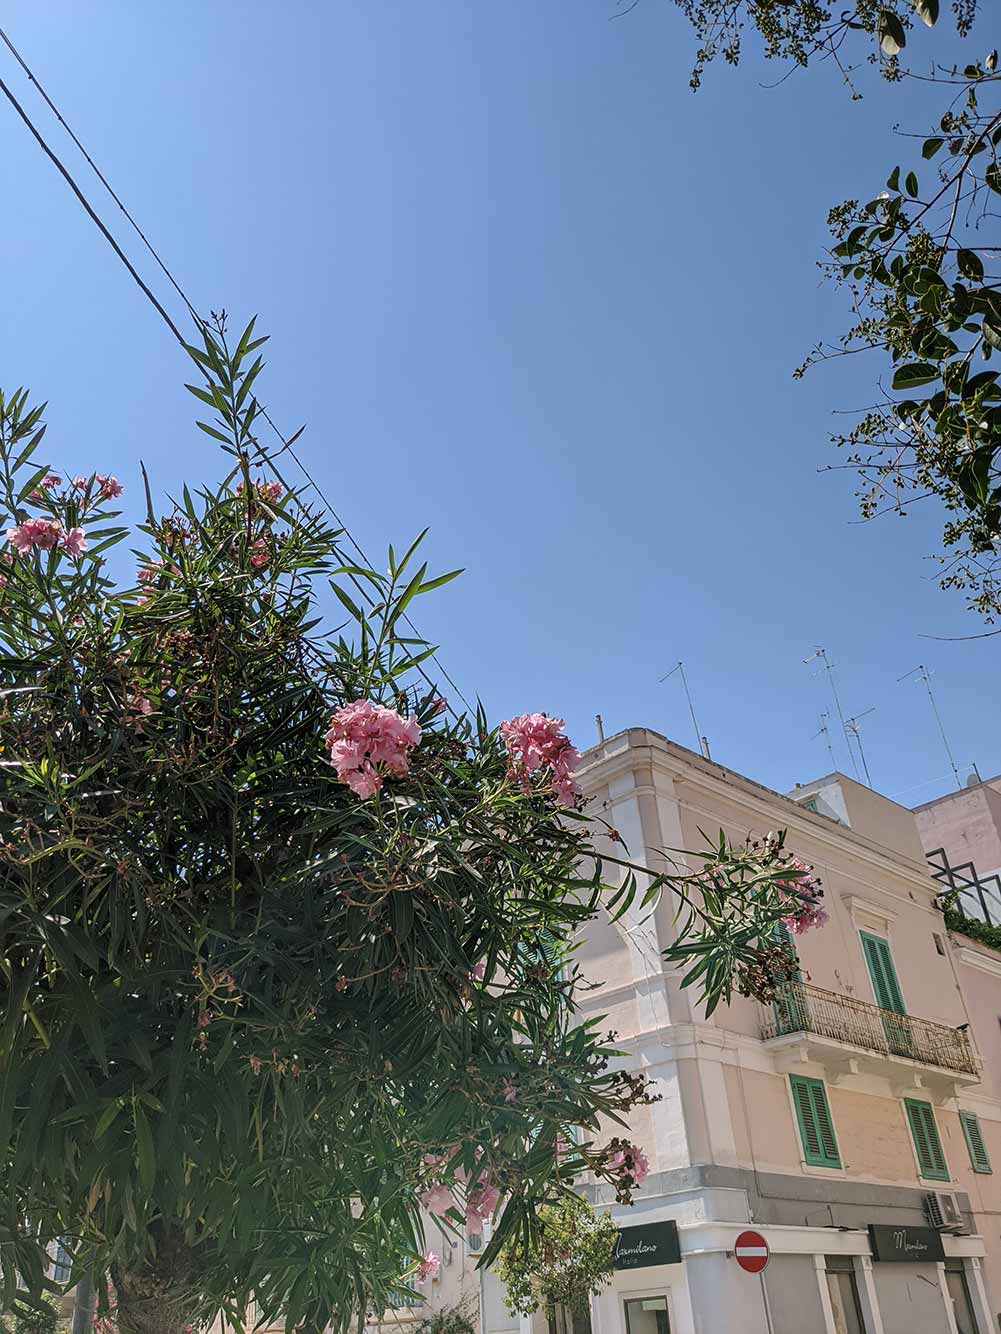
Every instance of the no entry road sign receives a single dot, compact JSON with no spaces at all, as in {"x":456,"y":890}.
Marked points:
{"x":751,"y":1252}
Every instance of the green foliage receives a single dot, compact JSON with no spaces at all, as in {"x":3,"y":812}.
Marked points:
{"x":803,"y":30}
{"x":569,"y":1259}
{"x":44,"y":1316}
{"x":449,"y":1320}
{"x":956,"y":920}
{"x":242,"y":1006}
{"x":925,"y":290}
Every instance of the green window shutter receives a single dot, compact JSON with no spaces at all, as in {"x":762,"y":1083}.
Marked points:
{"x":816,"y":1127}
{"x":884,"y":976}
{"x":979,"y":1160}
{"x":927,"y":1145}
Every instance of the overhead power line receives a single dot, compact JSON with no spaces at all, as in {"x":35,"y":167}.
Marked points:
{"x":91,"y":212}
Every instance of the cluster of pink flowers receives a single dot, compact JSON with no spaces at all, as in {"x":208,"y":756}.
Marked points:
{"x":270,"y":491}
{"x":109,"y":487}
{"x":365,"y":738}
{"x":804,"y":893}
{"x":46,"y":484}
{"x":428,"y":1266}
{"x":629,"y":1161}
{"x":260,"y":553}
{"x":536,"y":742}
{"x":46,"y":534}
{"x":482,"y":1196}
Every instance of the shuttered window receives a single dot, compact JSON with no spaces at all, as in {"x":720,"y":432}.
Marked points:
{"x":881,"y":970}
{"x":975,"y":1142}
{"x":816,"y":1128}
{"x":927,"y":1145}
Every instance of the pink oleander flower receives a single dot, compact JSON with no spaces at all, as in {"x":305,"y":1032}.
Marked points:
{"x":46,"y":484}
{"x":438,"y":1200}
{"x":364,"y":739}
{"x":428,"y":1266}
{"x":509,"y":1090}
{"x":629,"y":1161}
{"x":111,"y":487}
{"x":480,"y":1205}
{"x":80,"y":483}
{"x":74,"y":543}
{"x":41,"y":533}
{"x":537,"y":742}
{"x":260,"y":553}
{"x":439,"y":705}
{"x":137,"y":708}
{"x":804,"y":894}
{"x":269,"y":491}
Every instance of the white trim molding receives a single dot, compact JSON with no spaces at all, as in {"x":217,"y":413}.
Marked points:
{"x":987,"y":963}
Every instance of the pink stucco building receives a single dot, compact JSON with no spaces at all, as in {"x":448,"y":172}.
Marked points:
{"x":855,"y":1124}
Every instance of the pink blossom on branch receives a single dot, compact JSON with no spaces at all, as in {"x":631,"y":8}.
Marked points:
{"x":438,"y":1200}
{"x":480,"y":1205}
{"x":75,"y":542}
{"x":630,"y":1162}
{"x":366,"y":739}
{"x":111,"y":487}
{"x":536,"y":742}
{"x":41,"y":533}
{"x":803,"y":891}
{"x":428,"y":1266}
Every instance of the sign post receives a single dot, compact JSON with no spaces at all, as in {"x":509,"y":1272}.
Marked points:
{"x":751,"y":1252}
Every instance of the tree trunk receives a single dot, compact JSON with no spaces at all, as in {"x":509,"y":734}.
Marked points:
{"x":162,"y":1295}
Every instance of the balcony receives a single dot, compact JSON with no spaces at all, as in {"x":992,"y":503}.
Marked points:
{"x":849,"y":1036}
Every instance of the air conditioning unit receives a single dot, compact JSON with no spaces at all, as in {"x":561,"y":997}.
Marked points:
{"x":943,"y":1212}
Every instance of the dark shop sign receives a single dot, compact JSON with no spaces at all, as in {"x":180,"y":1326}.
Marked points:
{"x":911,"y":1245}
{"x":648,"y":1244}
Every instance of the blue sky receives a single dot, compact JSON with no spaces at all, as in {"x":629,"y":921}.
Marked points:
{"x":525,"y":287}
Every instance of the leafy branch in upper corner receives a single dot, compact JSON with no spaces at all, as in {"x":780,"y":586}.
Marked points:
{"x":802,"y":31}
{"x":925,"y":285}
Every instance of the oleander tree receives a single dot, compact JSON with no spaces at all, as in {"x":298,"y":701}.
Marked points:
{"x":286,"y":943}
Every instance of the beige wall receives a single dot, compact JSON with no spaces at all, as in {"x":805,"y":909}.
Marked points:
{"x":967,"y":824}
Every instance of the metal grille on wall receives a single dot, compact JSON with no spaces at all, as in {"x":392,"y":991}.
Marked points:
{"x":973,"y":896}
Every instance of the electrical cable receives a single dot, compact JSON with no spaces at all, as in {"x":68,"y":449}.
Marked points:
{"x":199,"y":321}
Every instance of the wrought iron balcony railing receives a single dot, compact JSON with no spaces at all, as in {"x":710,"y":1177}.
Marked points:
{"x":801,"y":1008}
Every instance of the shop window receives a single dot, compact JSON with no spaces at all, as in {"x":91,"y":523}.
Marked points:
{"x":959,"y":1291}
{"x":647,"y":1315}
{"x":816,"y":1126}
{"x":927,"y":1145}
{"x":843,"y":1288}
{"x":979,"y":1160}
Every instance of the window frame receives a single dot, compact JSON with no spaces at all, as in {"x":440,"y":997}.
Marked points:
{"x":819,"y":1158}
{"x":933,"y":1174}
{"x":979,"y":1161}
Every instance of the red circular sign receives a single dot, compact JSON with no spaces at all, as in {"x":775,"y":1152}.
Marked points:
{"x":751,"y":1252}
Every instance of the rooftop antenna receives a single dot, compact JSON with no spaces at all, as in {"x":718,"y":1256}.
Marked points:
{"x":703,"y":744}
{"x":852,"y":725}
{"x":825,"y":732}
{"x":922,"y":673}
{"x":601,"y":729}
{"x":822,"y":654}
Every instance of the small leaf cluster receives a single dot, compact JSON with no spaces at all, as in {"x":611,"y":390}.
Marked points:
{"x":568,"y":1260}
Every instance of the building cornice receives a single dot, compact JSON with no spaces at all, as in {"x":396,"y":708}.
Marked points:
{"x":684,"y":766}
